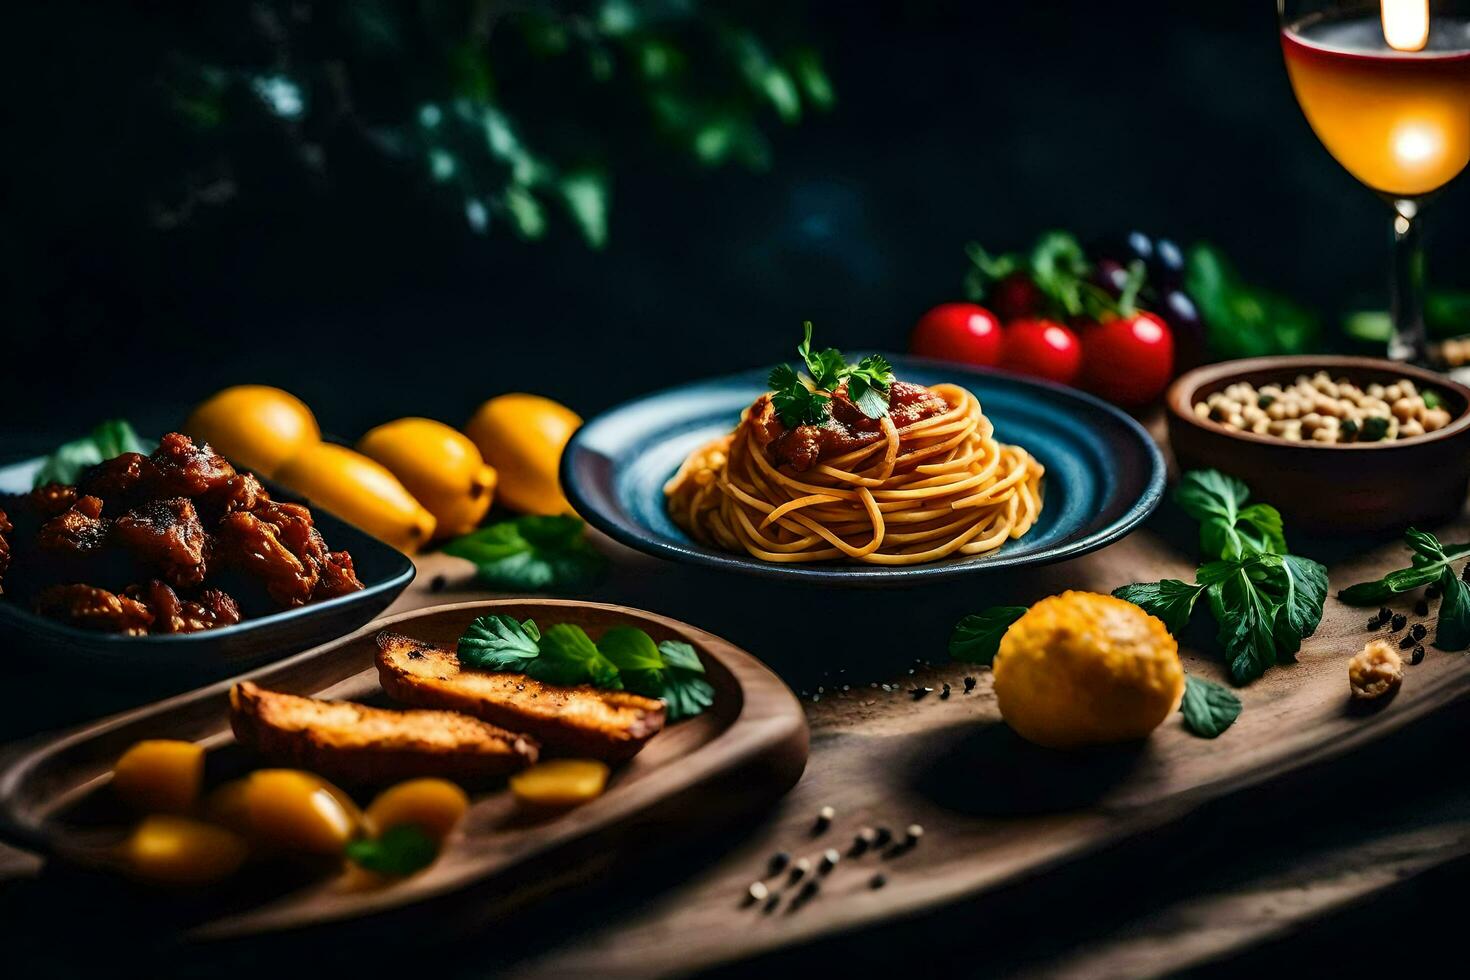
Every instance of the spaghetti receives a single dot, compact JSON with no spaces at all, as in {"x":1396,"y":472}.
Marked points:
{"x":935,"y":487}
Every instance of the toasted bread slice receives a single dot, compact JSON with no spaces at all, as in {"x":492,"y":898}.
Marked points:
{"x":357,"y":743}
{"x":582,"y":720}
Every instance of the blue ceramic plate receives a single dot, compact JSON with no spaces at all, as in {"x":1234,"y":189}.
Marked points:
{"x":170,"y":660}
{"x":1104,"y":474}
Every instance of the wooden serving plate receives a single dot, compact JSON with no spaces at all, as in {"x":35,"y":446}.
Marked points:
{"x":740,"y":755}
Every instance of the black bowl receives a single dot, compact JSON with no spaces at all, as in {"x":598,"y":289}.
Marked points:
{"x":171,"y":660}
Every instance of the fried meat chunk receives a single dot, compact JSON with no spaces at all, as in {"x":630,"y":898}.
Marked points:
{"x":92,"y":608}
{"x":117,"y":479}
{"x":174,"y":615}
{"x":80,"y":529}
{"x":253,"y":546}
{"x":184,"y":468}
{"x":51,"y":499}
{"x":164,"y":535}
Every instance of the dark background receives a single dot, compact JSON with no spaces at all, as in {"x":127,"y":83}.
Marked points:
{"x":954,"y":122}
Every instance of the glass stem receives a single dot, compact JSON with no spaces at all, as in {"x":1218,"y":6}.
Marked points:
{"x":1409,"y":341}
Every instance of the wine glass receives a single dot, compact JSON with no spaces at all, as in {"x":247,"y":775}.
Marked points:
{"x":1385,"y":85}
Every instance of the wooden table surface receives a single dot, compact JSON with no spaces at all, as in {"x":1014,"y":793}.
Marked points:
{"x":1260,"y":873}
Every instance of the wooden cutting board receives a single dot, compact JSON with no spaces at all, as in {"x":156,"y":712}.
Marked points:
{"x":735,"y":758}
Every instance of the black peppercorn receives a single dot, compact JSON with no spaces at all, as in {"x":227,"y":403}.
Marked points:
{"x":1418,"y":631}
{"x":1399,"y":619}
{"x":969,"y":684}
{"x":1384,"y":613}
{"x":944,"y":692}
{"x":779,"y":861}
{"x":1421,"y":608}
{"x":1433,"y":591}
{"x":920,"y":692}
{"x":1374,"y":623}
{"x":1407,"y":641}
{"x":1418,"y":655}
{"x":878,"y":880}
{"x":438,"y":583}
{"x":884,"y":835}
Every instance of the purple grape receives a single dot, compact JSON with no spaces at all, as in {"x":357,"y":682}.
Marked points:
{"x":1167,"y":267}
{"x":1183,"y":318}
{"x":1111,"y":275}
{"x":1139,"y":246}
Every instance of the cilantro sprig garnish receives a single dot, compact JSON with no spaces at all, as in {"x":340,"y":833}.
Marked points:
{"x":626,"y":658}
{"x":1265,"y":600}
{"x":1431,"y":563}
{"x":802,"y":400}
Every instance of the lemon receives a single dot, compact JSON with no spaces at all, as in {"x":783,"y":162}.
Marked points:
{"x":254,"y":426}
{"x":359,"y":491}
{"x":1086,"y":669}
{"x":522,"y":436}
{"x":440,"y":466}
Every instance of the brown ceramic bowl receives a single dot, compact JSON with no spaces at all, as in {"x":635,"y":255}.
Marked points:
{"x":1327,"y":488}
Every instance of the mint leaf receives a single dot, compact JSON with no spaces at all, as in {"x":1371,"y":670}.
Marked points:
{"x":1208,"y":708}
{"x":976,"y":638}
{"x":532,"y":554}
{"x":498,"y":642}
{"x":1299,"y":587}
{"x":108,"y":440}
{"x":398,"y":851}
{"x":568,"y":657}
{"x":1171,"y":600}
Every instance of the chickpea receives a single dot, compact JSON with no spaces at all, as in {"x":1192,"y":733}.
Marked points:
{"x":1411,"y":428}
{"x":1435,"y":418}
{"x":1375,"y":391}
{"x":1392,"y":393}
{"x":1405,"y":409}
{"x":1260,"y":426}
{"x":1236,"y":421}
{"x":1201,"y":410}
{"x":1276,"y":411}
{"x":1324,"y":435}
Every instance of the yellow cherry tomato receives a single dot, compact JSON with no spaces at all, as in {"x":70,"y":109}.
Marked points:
{"x":255,"y":426}
{"x":560,"y":782}
{"x":435,"y":806}
{"x":172,"y":850}
{"x":297,"y":811}
{"x":523,"y":436}
{"x":359,"y":491}
{"x":160,"y":776}
{"x":440,"y":466}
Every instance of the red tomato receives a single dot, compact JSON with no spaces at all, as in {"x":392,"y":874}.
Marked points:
{"x":960,"y":332}
{"x":1128,"y":360}
{"x":1043,"y":348}
{"x":1014,"y":297}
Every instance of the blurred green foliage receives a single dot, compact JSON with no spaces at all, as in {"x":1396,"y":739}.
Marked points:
{"x":507,"y":110}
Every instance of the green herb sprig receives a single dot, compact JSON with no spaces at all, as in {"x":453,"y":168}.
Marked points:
{"x":626,"y":658}
{"x":398,"y":851}
{"x":807,"y":401}
{"x":109,"y":439}
{"x":1430,"y":562}
{"x":1264,"y":599}
{"x":532,"y":554}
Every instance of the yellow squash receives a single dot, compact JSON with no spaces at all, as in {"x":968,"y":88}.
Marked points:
{"x":360,"y":492}
{"x":435,"y":806}
{"x":560,"y":782}
{"x":255,"y":426}
{"x":171,"y":850}
{"x":522,"y":436}
{"x":297,"y":811}
{"x":160,"y":775}
{"x":440,"y":466}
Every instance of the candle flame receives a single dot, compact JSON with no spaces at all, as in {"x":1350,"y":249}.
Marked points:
{"x":1406,"y":24}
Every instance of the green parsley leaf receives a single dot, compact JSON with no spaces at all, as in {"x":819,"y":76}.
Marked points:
{"x":827,"y":368}
{"x":976,"y":638}
{"x":794,"y":402}
{"x":1429,"y":560}
{"x":1453,"y":631}
{"x":686,"y":692}
{"x":398,"y":851}
{"x":108,"y":440}
{"x":498,"y":642}
{"x":1208,"y":708}
{"x":1432,"y":398}
{"x":1245,"y":615}
{"x":1218,"y":501}
{"x":868,"y":385}
{"x":1171,"y":600}
{"x":568,"y":656}
{"x":532,"y":554}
